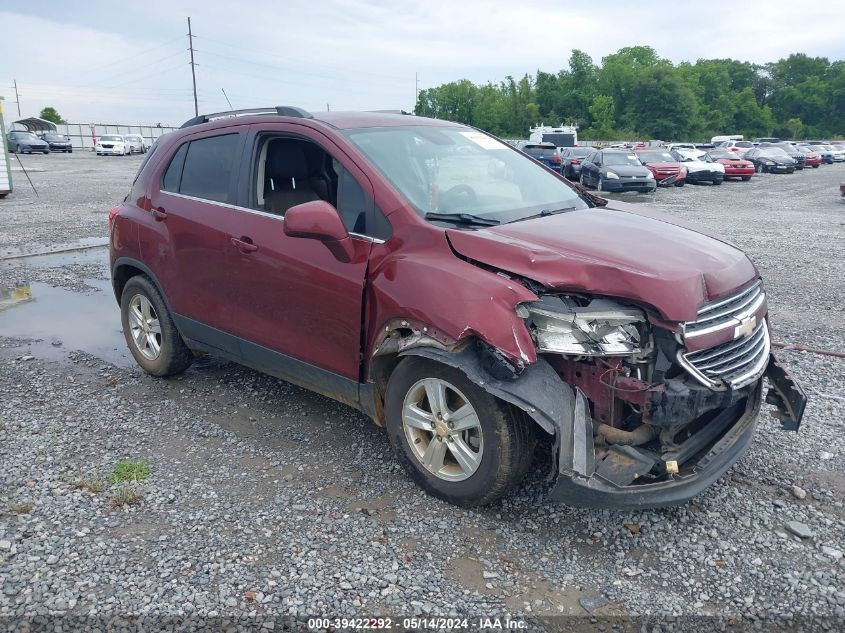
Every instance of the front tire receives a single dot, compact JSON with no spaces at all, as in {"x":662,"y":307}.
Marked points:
{"x":150,"y":333}
{"x":455,"y":440}
{"x":746,"y":178}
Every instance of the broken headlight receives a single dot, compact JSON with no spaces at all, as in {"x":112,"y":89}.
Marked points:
{"x":600,"y":328}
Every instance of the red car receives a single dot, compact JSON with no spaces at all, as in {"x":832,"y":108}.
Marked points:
{"x":735,"y":166}
{"x":812,"y":159}
{"x":666,"y":170}
{"x":469,"y":300}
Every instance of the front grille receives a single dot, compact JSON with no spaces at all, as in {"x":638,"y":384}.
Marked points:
{"x":734,"y":364}
{"x":726,"y":313}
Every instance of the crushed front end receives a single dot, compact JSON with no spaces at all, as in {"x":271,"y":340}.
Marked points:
{"x":661,"y":410}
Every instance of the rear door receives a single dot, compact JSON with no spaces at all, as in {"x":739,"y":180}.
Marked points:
{"x":187,"y":242}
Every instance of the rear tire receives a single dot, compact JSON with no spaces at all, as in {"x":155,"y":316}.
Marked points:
{"x":469,"y":467}
{"x":150,"y":333}
{"x":717,"y":182}
{"x":680,"y":183}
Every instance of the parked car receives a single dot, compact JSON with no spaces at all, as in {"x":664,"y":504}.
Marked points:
{"x":772,"y":160}
{"x":666,"y":169}
{"x":545,"y":153}
{"x":735,"y":166}
{"x":739,"y":147}
{"x":836,"y":151}
{"x":689,"y":146}
{"x":616,"y":170}
{"x":57,"y":142}
{"x":812,"y":158}
{"x":700,"y":167}
{"x":114,"y":144}
{"x":318,"y":248}
{"x":136,"y":143}
{"x":26,"y":143}
{"x":825,"y":154}
{"x":842,"y":189}
{"x":571,"y":158}
{"x":790,"y":149}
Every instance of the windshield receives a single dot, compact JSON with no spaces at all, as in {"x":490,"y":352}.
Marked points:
{"x":54,"y":137}
{"x":618,"y":158}
{"x":460,"y":170}
{"x":789,"y":149}
{"x":111,"y":138}
{"x":581,"y":152}
{"x":29,"y":136}
{"x":723,"y":153}
{"x":773,"y":152}
{"x":560,"y":140}
{"x":656,"y":157}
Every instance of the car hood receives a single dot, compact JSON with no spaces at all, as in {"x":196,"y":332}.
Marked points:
{"x":733,"y":162}
{"x":780,"y":160}
{"x":626,"y":171}
{"x":662,"y":164}
{"x":621,"y":250}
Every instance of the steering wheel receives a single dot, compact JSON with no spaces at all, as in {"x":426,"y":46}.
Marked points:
{"x":447,"y":198}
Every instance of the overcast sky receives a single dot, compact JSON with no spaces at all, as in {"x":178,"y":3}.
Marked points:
{"x":98,"y":61}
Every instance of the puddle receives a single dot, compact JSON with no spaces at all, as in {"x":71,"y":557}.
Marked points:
{"x":59,"y":321}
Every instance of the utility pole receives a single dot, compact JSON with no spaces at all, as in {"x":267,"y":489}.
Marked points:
{"x":193,"y":72}
{"x":327,"y":108}
{"x":17,"y":98}
{"x":417,"y":86}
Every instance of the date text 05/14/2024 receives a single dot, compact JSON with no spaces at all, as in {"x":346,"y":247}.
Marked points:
{"x":416,"y":624}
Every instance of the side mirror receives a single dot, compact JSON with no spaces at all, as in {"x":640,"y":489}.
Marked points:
{"x":319,"y":220}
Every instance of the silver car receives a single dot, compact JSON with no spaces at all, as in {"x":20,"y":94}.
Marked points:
{"x":136,"y":143}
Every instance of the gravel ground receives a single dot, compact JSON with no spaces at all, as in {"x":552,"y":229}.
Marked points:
{"x":266,"y":499}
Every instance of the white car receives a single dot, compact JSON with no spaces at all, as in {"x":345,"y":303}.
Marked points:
{"x":700,"y":167}
{"x":136,"y":143}
{"x":740,"y":147}
{"x":112,"y":144}
{"x":838,"y":152}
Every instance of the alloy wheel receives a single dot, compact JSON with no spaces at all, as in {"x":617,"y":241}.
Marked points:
{"x":145,"y":327}
{"x":443,"y":429}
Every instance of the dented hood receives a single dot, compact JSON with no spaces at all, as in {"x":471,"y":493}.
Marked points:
{"x":621,"y":250}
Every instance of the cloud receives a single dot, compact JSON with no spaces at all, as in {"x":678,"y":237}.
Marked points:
{"x":353,"y":54}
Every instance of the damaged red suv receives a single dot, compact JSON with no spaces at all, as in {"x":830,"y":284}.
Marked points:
{"x":468,"y":299}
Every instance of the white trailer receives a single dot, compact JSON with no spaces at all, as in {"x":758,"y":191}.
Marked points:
{"x":5,"y":166}
{"x":563,"y":136}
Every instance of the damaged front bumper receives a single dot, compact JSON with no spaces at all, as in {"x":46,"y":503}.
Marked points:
{"x":635,"y":477}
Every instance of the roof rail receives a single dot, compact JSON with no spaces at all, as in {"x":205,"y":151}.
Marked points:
{"x":291,"y":111}
{"x":389,"y":111}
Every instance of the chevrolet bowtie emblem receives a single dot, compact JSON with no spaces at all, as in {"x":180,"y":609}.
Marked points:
{"x":745,"y":327}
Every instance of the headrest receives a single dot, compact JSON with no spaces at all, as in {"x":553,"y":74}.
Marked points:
{"x":286,"y":159}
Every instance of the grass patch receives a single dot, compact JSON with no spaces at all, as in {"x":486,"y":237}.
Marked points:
{"x":124,"y":496}
{"x":23,"y":508}
{"x":130,"y":471}
{"x":91,"y":483}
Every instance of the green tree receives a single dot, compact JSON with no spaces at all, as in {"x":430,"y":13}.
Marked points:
{"x":49,"y":114}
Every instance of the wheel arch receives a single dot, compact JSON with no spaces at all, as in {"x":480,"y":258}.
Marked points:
{"x":124,"y":268}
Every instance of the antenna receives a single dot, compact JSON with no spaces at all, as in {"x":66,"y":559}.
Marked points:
{"x":227,"y":98}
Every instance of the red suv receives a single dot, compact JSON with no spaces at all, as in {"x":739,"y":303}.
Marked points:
{"x":467,"y":298}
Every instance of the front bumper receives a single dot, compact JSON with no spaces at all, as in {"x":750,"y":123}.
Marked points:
{"x":704,"y":176}
{"x":585,"y":481}
{"x":629,"y":184}
{"x":110,"y":150}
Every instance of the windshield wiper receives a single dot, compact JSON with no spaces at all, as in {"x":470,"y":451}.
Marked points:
{"x":544,"y":213}
{"x":462,"y":218}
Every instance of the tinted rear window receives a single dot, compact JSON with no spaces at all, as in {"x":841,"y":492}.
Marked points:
{"x":539,"y":152}
{"x":208,"y":167}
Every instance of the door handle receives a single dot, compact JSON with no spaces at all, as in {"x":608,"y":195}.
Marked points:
{"x":159,"y":213}
{"x":244,"y":244}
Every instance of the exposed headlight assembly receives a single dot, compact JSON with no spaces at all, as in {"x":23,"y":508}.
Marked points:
{"x":601,"y":328}
{"x":650,"y":175}
{"x":611,"y":175}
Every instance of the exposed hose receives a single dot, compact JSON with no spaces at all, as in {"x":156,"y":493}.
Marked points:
{"x":637,"y":437}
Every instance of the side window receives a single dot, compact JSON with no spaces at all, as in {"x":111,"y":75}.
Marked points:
{"x":208,"y":167}
{"x":357,"y":209}
{"x":173,"y":175}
